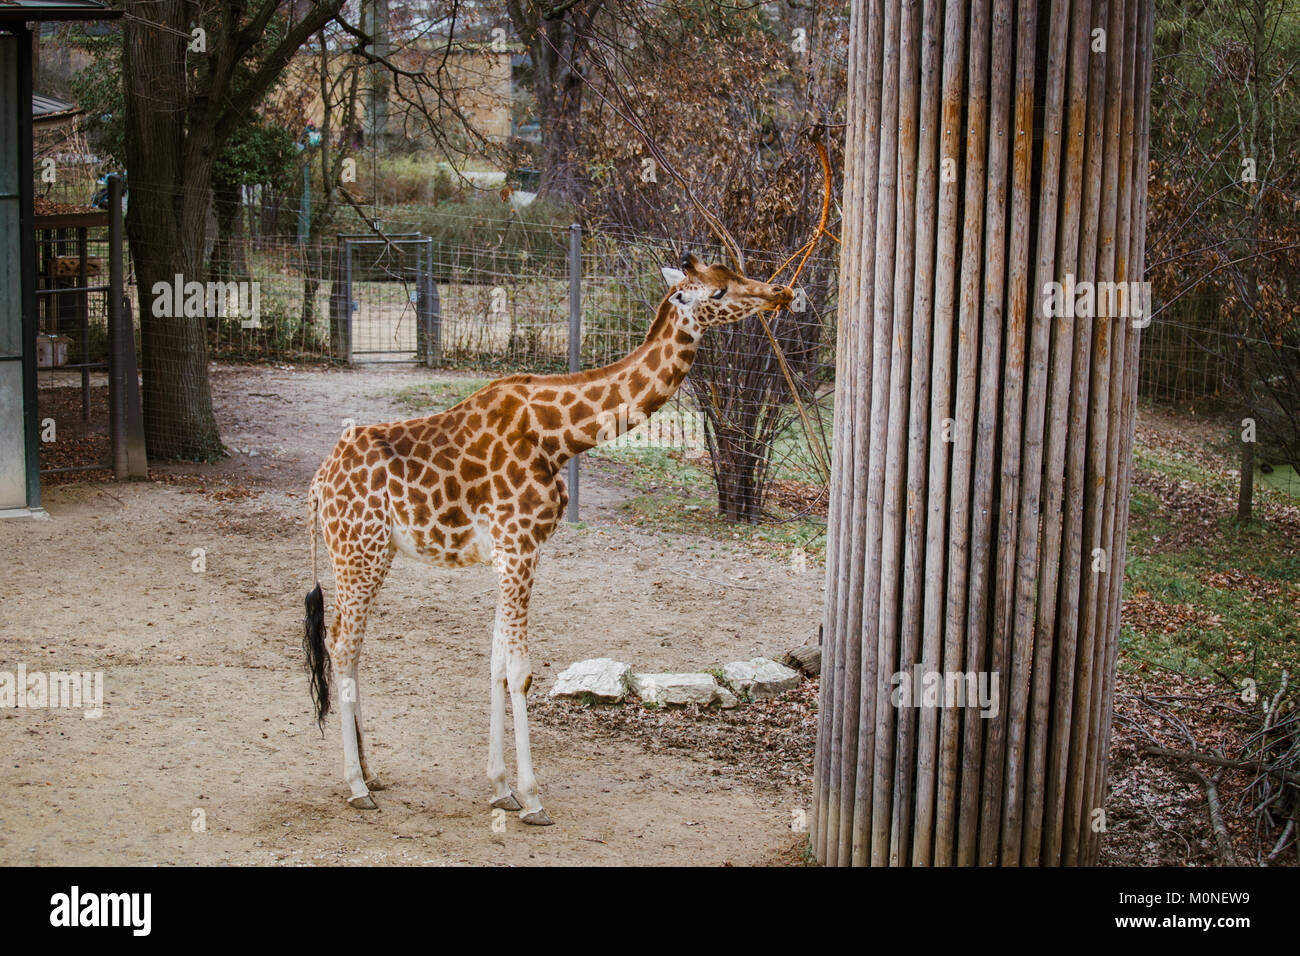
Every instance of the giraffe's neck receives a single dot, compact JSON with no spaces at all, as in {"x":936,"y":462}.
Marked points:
{"x":619,"y":397}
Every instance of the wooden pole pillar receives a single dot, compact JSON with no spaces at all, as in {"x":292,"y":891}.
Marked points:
{"x":995,"y":199}
{"x":126,"y":415}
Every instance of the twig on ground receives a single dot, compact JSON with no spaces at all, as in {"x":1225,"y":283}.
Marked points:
{"x":1281,"y":841}
{"x":1221,"y":838}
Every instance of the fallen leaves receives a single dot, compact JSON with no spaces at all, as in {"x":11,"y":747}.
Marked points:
{"x":1261,"y":589}
{"x":767,"y":743}
{"x":1148,"y":616}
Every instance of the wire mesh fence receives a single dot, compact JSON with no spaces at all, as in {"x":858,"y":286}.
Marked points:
{"x":72,"y":340}
{"x":493,"y":298}
{"x":1182,"y":363}
{"x":1197,"y":358}
{"x":754,"y":421}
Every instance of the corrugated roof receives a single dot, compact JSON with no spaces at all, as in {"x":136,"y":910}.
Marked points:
{"x":47,"y":111}
{"x":49,"y":106}
{"x":21,"y":11}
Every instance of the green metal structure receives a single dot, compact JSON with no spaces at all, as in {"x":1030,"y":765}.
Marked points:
{"x":20,"y":488}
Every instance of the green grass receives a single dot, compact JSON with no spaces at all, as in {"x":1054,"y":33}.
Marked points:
{"x":1281,"y":486}
{"x":1234,"y":634}
{"x":680,"y":497}
{"x":507,"y":238}
{"x":1283,"y":478}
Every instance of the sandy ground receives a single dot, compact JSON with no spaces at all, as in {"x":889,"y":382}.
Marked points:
{"x":207,"y":752}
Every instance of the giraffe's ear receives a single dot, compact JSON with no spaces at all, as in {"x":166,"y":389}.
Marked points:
{"x":673,"y":276}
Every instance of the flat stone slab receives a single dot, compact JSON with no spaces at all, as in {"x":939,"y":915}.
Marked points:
{"x":678,"y":690}
{"x":603,"y":678}
{"x":760,"y":677}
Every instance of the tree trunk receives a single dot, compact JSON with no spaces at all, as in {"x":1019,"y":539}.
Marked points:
{"x":559,"y":106}
{"x":177,"y":119}
{"x":1252,"y":324}
{"x":736,"y":463}
{"x":983,"y":431}
{"x":171,"y":175}
{"x":557,"y":47}
{"x":1246,"y":492}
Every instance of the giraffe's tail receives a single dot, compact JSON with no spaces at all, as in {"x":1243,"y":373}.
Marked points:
{"x":313,"y":641}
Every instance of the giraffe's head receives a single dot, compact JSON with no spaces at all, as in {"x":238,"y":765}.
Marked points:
{"x":715,"y":295}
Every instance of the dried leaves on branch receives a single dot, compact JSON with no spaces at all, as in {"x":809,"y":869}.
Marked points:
{"x":720,"y":146}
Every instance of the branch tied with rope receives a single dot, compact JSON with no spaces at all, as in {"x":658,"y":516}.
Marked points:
{"x":624,"y":109}
{"x":803,"y":254}
{"x":807,"y":250}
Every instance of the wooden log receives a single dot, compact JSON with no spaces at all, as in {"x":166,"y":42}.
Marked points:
{"x":968,"y":331}
{"x":935,"y":651}
{"x":1014,"y":276}
{"x":991,"y":334}
{"x":1136,"y":136}
{"x":892,"y":611}
{"x":826,"y":770}
{"x":1076,"y":107}
{"x":844,"y":679}
{"x":1057,"y":427}
{"x":917,"y":647}
{"x":1042,"y":414}
{"x":869,"y":783}
{"x":1004,"y":784}
{"x":1110,"y":238}
{"x":1094,"y":558}
{"x":807,"y":659}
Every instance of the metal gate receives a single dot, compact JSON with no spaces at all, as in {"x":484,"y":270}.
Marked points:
{"x":384,"y":303}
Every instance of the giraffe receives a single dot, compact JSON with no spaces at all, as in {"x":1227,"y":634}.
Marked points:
{"x":481,"y":483}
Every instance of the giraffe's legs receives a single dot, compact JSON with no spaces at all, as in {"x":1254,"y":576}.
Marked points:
{"x":357,"y":586}
{"x":372,"y":780}
{"x":502,"y":796}
{"x":510,"y":653}
{"x":352,"y":772}
{"x":532,"y":810}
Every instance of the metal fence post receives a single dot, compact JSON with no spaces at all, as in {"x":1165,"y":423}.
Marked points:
{"x":347,"y":298}
{"x":432,"y":309}
{"x":575,"y":344}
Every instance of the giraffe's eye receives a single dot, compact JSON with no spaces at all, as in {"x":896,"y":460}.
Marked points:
{"x":719,"y":294}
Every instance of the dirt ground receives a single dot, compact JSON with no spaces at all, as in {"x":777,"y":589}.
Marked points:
{"x":207,"y":753}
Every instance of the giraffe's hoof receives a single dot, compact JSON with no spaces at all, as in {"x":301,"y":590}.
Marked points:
{"x":363,"y":802}
{"x":374,"y":783}
{"x":537,"y":818}
{"x":508,"y":802}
